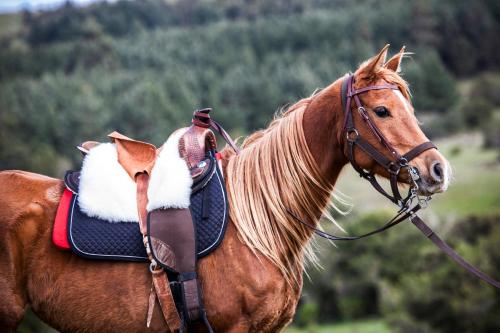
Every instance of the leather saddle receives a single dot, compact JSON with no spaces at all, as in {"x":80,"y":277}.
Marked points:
{"x":169,"y":234}
{"x":96,"y":238}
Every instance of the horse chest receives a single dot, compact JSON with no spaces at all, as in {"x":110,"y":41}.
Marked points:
{"x":245,"y":292}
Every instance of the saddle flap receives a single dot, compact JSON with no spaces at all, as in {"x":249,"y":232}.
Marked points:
{"x":172,"y":238}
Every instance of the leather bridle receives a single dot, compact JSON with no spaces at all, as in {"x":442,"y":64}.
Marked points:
{"x":412,"y":202}
{"x":393,"y":166}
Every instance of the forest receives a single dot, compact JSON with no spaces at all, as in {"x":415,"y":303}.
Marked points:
{"x":141,"y":67}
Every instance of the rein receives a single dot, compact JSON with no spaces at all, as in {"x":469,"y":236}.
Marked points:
{"x":411,"y":203}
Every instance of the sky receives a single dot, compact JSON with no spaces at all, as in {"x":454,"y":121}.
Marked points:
{"x":7,"y":6}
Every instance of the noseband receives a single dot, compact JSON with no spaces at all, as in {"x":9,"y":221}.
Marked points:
{"x":393,"y":165}
{"x":408,"y":207}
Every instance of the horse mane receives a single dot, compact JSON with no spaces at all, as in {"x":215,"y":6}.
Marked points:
{"x":275,"y":171}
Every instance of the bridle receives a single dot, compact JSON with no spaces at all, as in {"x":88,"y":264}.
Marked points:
{"x":353,"y":138}
{"x":412,"y":202}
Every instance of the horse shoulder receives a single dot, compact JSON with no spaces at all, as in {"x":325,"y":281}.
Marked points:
{"x":244,"y":289}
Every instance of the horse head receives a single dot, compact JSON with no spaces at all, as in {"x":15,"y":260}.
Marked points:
{"x":383,"y":116}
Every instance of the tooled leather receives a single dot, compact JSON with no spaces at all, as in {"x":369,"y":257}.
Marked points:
{"x":163,"y":252}
{"x":194,"y":143}
{"x":197,"y":171}
{"x":167,"y":304}
{"x":192,"y":299}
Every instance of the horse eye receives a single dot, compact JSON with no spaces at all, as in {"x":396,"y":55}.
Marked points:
{"x":382,"y":111}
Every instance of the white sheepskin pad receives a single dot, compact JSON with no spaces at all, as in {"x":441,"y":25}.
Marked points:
{"x":170,"y":181}
{"x":107,"y":191}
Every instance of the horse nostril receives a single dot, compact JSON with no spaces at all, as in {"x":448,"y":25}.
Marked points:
{"x":437,"y":171}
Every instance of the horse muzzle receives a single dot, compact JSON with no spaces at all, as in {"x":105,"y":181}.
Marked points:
{"x":435,"y":180}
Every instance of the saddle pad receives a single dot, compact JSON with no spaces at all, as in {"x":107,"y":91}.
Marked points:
{"x":94,"y":238}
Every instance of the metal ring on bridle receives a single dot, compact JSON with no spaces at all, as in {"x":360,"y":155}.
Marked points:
{"x":349,"y":132}
{"x":393,"y":168}
{"x":361,"y":109}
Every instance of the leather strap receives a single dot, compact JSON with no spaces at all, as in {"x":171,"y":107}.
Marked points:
{"x":400,"y":217}
{"x":166,"y":300}
{"x":424,"y":228}
{"x":418,"y":150}
{"x":429,"y":233}
{"x":159,"y":277}
{"x":177,"y":251}
{"x":202,"y":118}
{"x":142,"y":182}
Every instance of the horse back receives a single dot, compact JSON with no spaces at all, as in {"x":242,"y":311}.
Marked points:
{"x":28,"y":201}
{"x":20,"y":188}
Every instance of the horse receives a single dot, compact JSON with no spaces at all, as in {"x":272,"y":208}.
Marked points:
{"x":253,"y":281}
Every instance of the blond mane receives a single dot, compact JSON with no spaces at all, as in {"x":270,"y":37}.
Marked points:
{"x":275,"y":171}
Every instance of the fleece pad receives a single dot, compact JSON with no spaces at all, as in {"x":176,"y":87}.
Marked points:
{"x":106,"y":190}
{"x":95,"y":238}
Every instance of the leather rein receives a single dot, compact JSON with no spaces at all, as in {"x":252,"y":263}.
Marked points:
{"x":408,"y":205}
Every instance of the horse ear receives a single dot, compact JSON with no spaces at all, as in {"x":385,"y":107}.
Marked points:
{"x":370,"y":67}
{"x":394,"y":63}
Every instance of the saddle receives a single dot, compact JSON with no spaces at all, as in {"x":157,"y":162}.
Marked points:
{"x":168,"y":231}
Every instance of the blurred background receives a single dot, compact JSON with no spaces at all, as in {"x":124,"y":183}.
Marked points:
{"x":75,"y":71}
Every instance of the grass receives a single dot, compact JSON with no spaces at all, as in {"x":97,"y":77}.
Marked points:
{"x":364,"y":326}
{"x":475,"y":188}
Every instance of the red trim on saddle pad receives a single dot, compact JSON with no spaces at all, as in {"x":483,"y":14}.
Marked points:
{"x":60,"y":231}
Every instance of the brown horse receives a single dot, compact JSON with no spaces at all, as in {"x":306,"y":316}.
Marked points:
{"x":253,"y":281}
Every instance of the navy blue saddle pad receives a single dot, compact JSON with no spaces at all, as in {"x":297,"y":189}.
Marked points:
{"x":94,"y":238}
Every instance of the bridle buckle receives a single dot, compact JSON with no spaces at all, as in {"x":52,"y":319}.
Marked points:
{"x":352,"y":131}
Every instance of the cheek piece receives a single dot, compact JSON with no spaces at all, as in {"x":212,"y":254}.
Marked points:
{"x":393,"y":165}
{"x":411,"y":203}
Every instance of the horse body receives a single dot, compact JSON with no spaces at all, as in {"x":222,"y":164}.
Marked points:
{"x":242,"y":293}
{"x":252,"y":282}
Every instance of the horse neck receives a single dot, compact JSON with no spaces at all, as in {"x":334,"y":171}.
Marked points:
{"x":323,"y":121}
{"x":291,"y":166}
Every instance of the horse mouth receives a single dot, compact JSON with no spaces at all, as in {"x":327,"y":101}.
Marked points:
{"x":426,"y":188}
